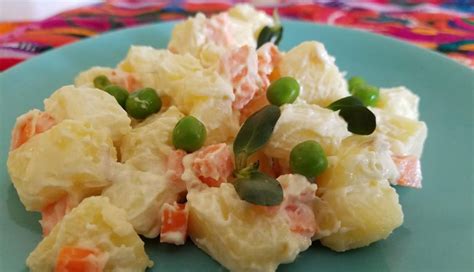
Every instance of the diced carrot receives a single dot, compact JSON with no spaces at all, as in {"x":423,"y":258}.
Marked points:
{"x":240,"y":65}
{"x":257,"y":103}
{"x":125,"y":80}
{"x":248,"y":71}
{"x":53,"y":213}
{"x":301,"y":219}
{"x":297,"y":205}
{"x":210,"y":181}
{"x":274,"y":75}
{"x":279,"y":168}
{"x":213,"y":164}
{"x":132,"y":84}
{"x":217,"y":30}
{"x":265,"y":163}
{"x":175,"y":167}
{"x":410,"y":171}
{"x":28,"y":125}
{"x":174,"y":223}
{"x":268,"y":59}
{"x":79,"y":259}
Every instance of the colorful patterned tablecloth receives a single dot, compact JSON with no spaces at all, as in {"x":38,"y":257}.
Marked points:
{"x":444,"y":26}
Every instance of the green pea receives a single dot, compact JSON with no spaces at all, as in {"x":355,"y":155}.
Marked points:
{"x":100,"y":82}
{"x":355,"y":83}
{"x":189,"y":134}
{"x":369,"y":95}
{"x":119,"y":93}
{"x":283,"y":91}
{"x":308,"y":159}
{"x":142,"y":103}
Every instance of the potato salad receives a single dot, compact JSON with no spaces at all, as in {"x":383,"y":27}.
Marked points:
{"x":223,"y":139}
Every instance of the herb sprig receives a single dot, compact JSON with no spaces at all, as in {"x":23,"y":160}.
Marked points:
{"x":271,"y":33}
{"x":360,"y":120}
{"x":252,"y":185}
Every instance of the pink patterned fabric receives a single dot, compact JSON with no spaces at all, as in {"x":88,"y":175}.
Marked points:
{"x":444,"y":26}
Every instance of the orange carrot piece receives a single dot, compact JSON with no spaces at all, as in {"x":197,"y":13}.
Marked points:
{"x":77,"y":259}
{"x":258,"y":102}
{"x":410,"y":171}
{"x":174,"y":223}
{"x":213,"y":164}
{"x":30,"y":124}
{"x":274,"y":75}
{"x":53,"y":213}
{"x":210,"y":181}
{"x":125,"y":80}
{"x":268,"y":58}
{"x":175,"y":167}
{"x":240,"y":65}
{"x":301,"y":219}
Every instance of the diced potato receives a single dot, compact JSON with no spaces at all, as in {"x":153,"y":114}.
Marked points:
{"x":237,"y":234}
{"x":182,"y":77}
{"x":208,"y":38}
{"x":399,"y":101}
{"x":221,"y":127}
{"x":116,"y":77}
{"x":321,"y":81}
{"x":356,"y":189}
{"x":248,"y":14}
{"x":359,"y":159}
{"x":326,"y":219}
{"x":148,"y":145}
{"x":141,"y":195}
{"x":301,"y":122}
{"x":190,"y":87}
{"x":98,"y":225}
{"x":70,"y":158}
{"x":188,"y":37}
{"x":92,"y":105}
{"x":406,"y":136}
{"x":86,"y":78}
{"x":146,"y":63}
{"x":368,"y":213}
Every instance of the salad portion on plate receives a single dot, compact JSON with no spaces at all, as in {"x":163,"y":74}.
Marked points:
{"x":251,"y":152}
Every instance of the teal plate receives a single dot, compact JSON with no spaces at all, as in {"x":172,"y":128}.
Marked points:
{"x":437,"y":234}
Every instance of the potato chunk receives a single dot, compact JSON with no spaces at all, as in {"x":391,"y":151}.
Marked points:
{"x":98,"y":227}
{"x":239,"y":235}
{"x":368,"y":213}
{"x":71,"y":158}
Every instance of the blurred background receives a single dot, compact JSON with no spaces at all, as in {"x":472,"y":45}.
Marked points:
{"x":25,"y":10}
{"x":31,"y":27}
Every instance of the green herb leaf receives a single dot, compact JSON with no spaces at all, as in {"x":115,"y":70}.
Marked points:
{"x":247,"y":171}
{"x":255,"y":133}
{"x":360,"y":120}
{"x":259,"y":189}
{"x":271,"y":34}
{"x":348,"y":101}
